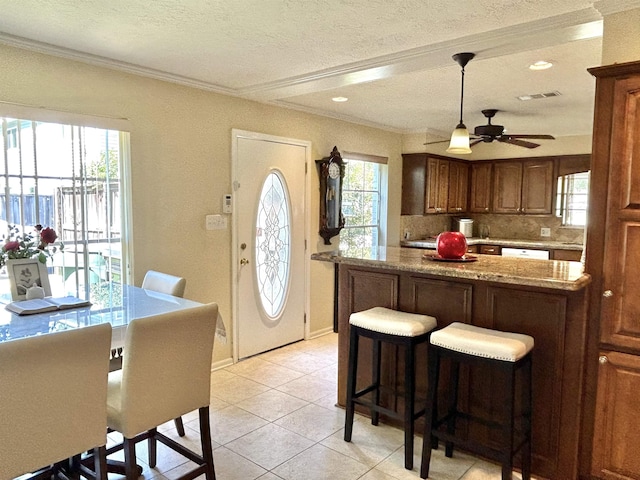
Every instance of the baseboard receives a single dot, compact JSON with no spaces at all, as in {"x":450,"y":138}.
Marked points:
{"x":320,"y":333}
{"x":221,"y":364}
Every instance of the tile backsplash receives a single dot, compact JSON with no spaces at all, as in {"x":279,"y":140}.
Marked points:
{"x":517,"y":227}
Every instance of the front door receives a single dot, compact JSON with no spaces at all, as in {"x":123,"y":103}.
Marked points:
{"x":269,"y":241}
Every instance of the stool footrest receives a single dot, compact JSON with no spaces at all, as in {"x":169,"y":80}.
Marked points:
{"x":386,"y":411}
{"x":465,"y":416}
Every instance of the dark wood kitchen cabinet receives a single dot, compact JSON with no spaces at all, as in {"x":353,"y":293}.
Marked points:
{"x":437,"y":188}
{"x":537,"y":186}
{"x":458,"y":187}
{"x":414,"y":177}
{"x":612,"y":252}
{"x":426,"y":185}
{"x":507,"y":180}
{"x":523,"y":187}
{"x":480,"y":191}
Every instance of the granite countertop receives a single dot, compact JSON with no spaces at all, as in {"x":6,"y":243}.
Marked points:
{"x":555,"y":274}
{"x":504,"y":242}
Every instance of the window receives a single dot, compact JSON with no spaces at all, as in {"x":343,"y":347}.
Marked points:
{"x":572,"y":201}
{"x":361,"y":206}
{"x":66,"y":177}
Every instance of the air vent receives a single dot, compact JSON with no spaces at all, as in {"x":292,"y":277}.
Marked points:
{"x":537,"y":96}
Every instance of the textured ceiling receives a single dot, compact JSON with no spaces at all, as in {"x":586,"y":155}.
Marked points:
{"x":391,"y":58}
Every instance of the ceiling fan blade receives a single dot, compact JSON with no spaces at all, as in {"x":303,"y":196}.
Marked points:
{"x":519,"y":143}
{"x":539,"y":137}
{"x":439,"y":141}
{"x":475,"y":142}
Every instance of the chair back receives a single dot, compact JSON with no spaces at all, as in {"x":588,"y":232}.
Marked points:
{"x":164,"y":283}
{"x":53,"y":397}
{"x":166,"y":369}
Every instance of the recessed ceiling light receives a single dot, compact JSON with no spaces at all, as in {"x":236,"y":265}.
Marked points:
{"x":339,"y":99}
{"x":540,"y":65}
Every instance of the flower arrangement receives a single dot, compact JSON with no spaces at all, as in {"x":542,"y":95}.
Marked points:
{"x":30,"y":245}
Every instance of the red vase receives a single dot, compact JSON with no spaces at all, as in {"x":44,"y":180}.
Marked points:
{"x":451,"y":245}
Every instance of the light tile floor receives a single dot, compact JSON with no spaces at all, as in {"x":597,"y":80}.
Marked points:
{"x":273,"y":417}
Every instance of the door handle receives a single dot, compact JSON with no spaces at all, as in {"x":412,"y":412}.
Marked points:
{"x":244,"y":261}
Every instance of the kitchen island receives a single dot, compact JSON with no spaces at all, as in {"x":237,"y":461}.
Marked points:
{"x":542,"y":298}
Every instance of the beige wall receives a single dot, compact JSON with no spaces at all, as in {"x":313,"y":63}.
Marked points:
{"x":181,"y":165}
{"x":621,"y":37}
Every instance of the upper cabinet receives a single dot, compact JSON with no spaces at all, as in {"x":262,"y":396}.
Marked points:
{"x":523,"y":187}
{"x":480,"y":198}
{"x":437,"y":194}
{"x":537,"y":186}
{"x":458,"y":187}
{"x":414,"y":176}
{"x":432,"y":184}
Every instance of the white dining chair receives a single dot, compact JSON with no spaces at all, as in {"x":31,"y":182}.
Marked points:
{"x":171,"y":285}
{"x":164,"y":283}
{"x":53,"y":398}
{"x":166,"y":372}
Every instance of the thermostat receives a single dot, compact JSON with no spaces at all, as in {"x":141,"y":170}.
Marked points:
{"x":226,"y":204}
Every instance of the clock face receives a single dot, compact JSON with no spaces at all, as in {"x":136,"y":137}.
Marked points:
{"x":334,"y":170}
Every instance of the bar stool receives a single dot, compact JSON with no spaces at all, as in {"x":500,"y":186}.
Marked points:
{"x":398,"y":328}
{"x":503,"y":352}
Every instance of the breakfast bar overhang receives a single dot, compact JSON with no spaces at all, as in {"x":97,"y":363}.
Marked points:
{"x":544,"y":299}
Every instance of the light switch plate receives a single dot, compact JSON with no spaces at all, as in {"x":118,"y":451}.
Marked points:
{"x":215,"y":222}
{"x":545,"y":232}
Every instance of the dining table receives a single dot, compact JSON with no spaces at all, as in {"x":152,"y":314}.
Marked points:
{"x":114,"y":303}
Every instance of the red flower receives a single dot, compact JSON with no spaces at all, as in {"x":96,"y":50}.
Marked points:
{"x":48,"y":235}
{"x":11,"y":246}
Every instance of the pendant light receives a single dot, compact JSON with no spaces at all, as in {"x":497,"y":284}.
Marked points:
{"x":460,"y":137}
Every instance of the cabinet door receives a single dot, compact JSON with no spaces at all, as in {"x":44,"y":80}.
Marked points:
{"x":458,"y":186}
{"x":620,"y":308}
{"x":537,"y":186}
{"x":507,"y":181}
{"x":617,"y":428}
{"x":437,"y":193}
{"x":480,"y":200}
{"x":414,"y":176}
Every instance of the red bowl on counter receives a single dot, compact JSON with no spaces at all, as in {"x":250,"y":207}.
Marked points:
{"x":451,"y":245}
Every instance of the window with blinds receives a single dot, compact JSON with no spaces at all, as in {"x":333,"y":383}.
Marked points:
{"x":66,"y":177}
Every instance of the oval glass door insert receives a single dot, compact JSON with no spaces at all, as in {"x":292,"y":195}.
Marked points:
{"x":273,"y":244}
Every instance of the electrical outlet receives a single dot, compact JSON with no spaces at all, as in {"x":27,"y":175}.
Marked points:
{"x":215,"y":222}
{"x":545,"y":232}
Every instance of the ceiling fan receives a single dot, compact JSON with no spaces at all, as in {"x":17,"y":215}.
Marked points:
{"x":489,"y":132}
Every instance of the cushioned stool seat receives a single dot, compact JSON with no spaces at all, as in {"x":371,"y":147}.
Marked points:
{"x":503,"y":352}
{"x":399,"y":328}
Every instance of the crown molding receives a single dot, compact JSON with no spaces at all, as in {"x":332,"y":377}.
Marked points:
{"x":610,"y":7}
{"x":88,"y":58}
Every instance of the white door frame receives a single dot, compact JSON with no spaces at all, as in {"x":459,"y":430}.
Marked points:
{"x":235,"y":259}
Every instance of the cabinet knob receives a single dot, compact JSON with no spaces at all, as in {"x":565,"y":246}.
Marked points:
{"x":486,"y":209}
{"x":607,"y":294}
{"x":244,"y":261}
{"x":603,"y":359}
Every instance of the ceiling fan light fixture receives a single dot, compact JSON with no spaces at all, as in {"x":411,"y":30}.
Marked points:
{"x":459,"y":143}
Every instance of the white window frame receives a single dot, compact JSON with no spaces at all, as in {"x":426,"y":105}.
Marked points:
{"x":380,"y":225}
{"x":30,"y":114}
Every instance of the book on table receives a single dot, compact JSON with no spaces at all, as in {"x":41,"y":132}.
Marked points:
{"x":47,"y":304}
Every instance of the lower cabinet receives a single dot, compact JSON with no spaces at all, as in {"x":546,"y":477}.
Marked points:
{"x":554,"y":318}
{"x":617,"y":430}
{"x":490,"y":249}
